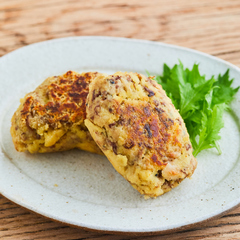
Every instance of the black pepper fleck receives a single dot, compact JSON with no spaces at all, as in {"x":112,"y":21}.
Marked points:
{"x":147,"y":128}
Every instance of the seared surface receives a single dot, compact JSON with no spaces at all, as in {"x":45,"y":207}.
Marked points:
{"x":52,"y":117}
{"x":139,"y":130}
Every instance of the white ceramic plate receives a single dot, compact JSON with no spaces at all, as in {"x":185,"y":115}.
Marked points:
{"x":83,"y":189}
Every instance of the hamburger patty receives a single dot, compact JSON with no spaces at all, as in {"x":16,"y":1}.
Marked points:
{"x":139,"y":130}
{"x":52,"y":117}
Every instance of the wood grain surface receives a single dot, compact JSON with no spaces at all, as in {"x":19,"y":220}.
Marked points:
{"x":210,"y":26}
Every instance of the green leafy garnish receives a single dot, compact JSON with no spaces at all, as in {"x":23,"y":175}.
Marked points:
{"x":201,"y":102}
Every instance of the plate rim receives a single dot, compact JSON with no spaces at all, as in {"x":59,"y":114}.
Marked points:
{"x":122,"y":39}
{"x":131,"y":233}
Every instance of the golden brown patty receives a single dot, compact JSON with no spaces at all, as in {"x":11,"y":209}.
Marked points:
{"x":139,"y":130}
{"x":52,"y":117}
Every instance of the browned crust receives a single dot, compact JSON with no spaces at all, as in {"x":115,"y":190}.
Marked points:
{"x":66,"y":100}
{"x":131,"y":116}
{"x":59,"y":103}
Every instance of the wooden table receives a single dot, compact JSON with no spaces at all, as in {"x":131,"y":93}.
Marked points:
{"x":210,"y":26}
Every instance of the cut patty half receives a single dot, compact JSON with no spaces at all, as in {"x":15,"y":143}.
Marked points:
{"x":139,"y":130}
{"x":52,"y":117}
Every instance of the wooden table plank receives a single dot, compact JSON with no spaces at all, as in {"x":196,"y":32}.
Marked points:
{"x":210,"y":26}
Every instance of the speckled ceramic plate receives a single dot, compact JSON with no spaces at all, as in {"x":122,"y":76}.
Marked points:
{"x":83,"y":189}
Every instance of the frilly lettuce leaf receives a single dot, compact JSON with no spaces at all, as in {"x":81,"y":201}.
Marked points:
{"x":200,"y":101}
